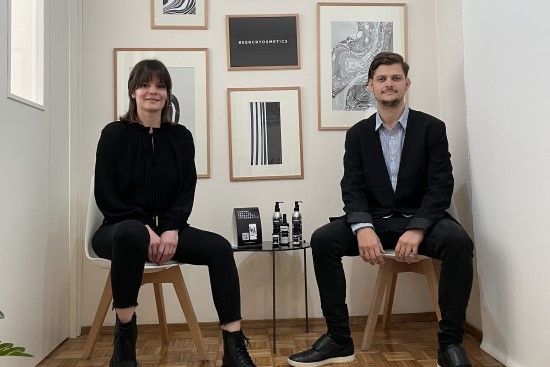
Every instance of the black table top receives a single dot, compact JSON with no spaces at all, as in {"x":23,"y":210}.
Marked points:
{"x":268,"y":246}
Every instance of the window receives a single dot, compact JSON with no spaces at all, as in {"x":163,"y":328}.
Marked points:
{"x":26,"y":52}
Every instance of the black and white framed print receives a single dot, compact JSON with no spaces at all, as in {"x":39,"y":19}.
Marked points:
{"x":188,"y":68}
{"x":265,"y":133}
{"x":349,"y":36}
{"x":179,"y":14}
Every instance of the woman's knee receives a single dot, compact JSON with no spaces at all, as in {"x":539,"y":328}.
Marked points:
{"x":219,"y":245}
{"x":131,"y":233}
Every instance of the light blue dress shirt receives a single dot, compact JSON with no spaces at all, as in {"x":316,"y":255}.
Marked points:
{"x":392,"y":147}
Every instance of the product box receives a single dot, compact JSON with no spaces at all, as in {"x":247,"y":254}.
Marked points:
{"x":247,"y":227}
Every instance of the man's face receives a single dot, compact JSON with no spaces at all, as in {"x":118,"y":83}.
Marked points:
{"x":389,"y":85}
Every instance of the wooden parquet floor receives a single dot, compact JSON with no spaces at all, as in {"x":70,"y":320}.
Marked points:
{"x":405,"y":344}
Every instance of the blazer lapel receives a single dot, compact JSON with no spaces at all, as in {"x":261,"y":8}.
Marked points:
{"x":407,"y":153}
{"x":378,"y":161}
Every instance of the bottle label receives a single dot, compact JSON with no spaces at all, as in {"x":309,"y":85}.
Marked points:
{"x":296,"y":233}
{"x":284,"y":240}
{"x":275,"y":240}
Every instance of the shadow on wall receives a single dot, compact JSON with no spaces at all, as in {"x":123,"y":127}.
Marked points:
{"x":256,"y":291}
{"x":461,"y":209}
{"x":497,"y":346}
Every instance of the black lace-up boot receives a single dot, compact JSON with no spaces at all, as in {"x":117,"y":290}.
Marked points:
{"x":124,"y":346}
{"x":234,"y":350}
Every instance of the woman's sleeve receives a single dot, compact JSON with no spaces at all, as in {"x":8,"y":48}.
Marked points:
{"x":178,"y":214}
{"x":107,"y":187}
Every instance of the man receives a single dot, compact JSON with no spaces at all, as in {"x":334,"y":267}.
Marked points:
{"x":396,"y":187}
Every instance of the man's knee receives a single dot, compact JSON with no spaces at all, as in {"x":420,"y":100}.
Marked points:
{"x":332,"y":239}
{"x":458,"y":244}
{"x":321,"y":239}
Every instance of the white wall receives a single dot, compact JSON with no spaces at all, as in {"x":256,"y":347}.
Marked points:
{"x":453,"y":112}
{"x":104,"y":29}
{"x":34,"y":225}
{"x":506,"y":57}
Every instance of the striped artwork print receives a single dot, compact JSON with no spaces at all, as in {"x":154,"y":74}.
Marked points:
{"x":265,"y":133}
{"x":179,"y":6}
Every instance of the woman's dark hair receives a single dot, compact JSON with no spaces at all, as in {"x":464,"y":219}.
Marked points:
{"x":387,"y":58}
{"x":143,"y":72}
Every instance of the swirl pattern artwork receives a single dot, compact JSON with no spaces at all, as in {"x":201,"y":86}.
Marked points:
{"x":354,"y":45}
{"x":179,"y":7}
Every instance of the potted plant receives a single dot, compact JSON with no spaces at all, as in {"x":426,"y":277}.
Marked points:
{"x":7,"y":349}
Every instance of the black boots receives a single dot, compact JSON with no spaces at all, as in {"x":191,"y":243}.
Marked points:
{"x":234,"y":350}
{"x":124,"y":346}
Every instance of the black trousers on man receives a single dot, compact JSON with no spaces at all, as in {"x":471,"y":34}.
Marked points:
{"x":446,"y":241}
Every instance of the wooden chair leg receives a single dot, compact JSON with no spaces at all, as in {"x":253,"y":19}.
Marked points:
{"x":388,"y":303}
{"x":161,"y":311}
{"x":431,"y":279}
{"x":384,"y":273}
{"x":187,"y":307}
{"x":100,"y":314}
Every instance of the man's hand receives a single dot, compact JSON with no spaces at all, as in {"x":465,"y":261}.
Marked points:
{"x":407,"y":246}
{"x":370,"y":248}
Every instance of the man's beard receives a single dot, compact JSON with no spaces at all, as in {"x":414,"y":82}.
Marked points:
{"x":392,"y":103}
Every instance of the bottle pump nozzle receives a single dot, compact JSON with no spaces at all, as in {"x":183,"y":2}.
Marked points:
{"x":297,"y":206}
{"x":277,"y":209}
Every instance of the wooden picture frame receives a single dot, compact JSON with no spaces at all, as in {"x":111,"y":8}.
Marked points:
{"x":179,"y":14}
{"x":263,"y":42}
{"x":349,"y":36}
{"x":265,"y":133}
{"x":188,"y":69}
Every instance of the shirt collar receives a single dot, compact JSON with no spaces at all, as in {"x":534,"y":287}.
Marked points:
{"x":402,"y":120}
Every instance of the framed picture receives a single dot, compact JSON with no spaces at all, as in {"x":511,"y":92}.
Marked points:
{"x":349,"y":36}
{"x":265,"y":133}
{"x":262,"y":42}
{"x":179,"y":14}
{"x":188,"y":69}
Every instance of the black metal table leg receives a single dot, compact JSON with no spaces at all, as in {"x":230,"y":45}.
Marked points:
{"x":305,"y":291}
{"x":274,"y":312}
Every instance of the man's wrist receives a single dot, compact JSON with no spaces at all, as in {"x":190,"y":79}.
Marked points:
{"x":357,"y":226}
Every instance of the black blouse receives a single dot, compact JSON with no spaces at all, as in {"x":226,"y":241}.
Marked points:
{"x":150,"y":177}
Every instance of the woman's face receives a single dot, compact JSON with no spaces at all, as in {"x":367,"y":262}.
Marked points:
{"x":151,"y":97}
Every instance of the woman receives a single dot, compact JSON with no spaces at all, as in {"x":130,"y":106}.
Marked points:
{"x":145,"y":181}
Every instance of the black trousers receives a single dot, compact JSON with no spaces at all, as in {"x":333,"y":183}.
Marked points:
{"x":126,"y":244}
{"x":446,"y":241}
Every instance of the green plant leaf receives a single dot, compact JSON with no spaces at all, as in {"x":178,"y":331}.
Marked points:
{"x":1,"y":315}
{"x":7,"y":349}
{"x":5,"y":346}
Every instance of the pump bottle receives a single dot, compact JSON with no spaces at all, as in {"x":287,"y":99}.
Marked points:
{"x":277,"y":221}
{"x":296,"y":226}
{"x":285,"y":233}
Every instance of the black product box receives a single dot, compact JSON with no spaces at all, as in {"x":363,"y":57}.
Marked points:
{"x":248,"y":227}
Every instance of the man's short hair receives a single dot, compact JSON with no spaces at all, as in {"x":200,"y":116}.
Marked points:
{"x":387,"y":58}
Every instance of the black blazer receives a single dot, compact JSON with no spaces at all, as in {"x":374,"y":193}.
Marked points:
{"x":424,"y":183}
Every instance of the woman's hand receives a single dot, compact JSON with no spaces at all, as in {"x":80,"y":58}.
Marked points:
{"x":167,"y":247}
{"x":154,"y":244}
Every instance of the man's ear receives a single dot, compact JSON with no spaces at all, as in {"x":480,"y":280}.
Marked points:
{"x":369,"y":85}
